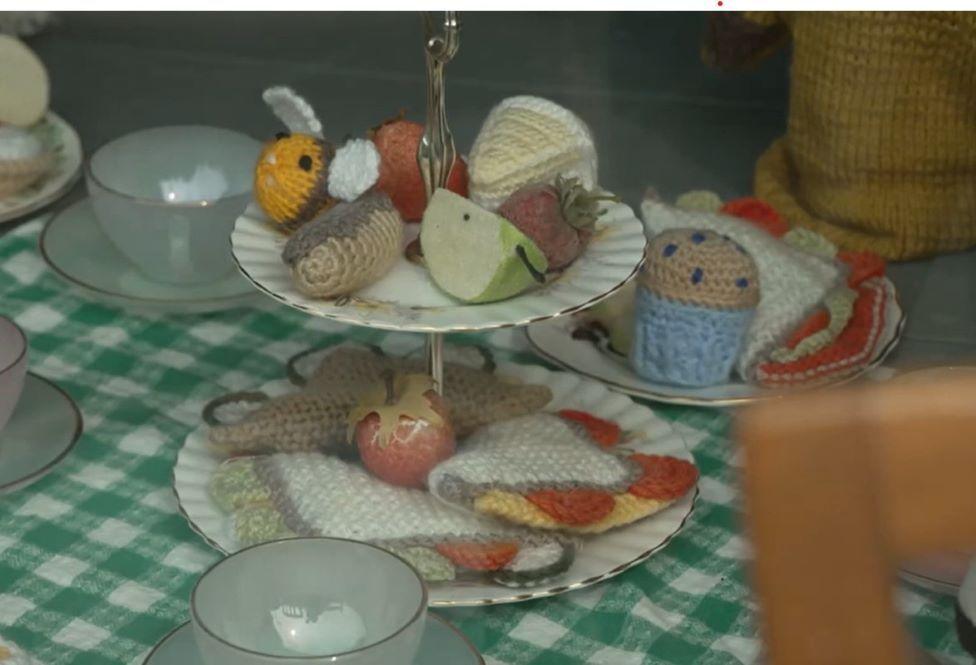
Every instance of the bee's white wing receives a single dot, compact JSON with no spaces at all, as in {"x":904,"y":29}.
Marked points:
{"x":296,"y":113}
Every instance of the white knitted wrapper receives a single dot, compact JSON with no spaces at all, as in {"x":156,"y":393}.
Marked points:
{"x":792,"y":283}
{"x":344,"y":501}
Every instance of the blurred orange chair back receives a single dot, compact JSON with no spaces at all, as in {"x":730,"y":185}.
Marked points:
{"x":841,"y":487}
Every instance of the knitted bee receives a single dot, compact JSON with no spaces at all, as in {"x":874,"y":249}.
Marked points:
{"x":300,"y":173}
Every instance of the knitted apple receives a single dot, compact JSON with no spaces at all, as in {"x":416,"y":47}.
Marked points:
{"x":402,"y":429}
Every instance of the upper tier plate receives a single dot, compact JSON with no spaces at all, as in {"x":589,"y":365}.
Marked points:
{"x":407,"y":299}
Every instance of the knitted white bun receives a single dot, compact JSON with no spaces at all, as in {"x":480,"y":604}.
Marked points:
{"x":354,"y":169}
{"x":293,"y":111}
{"x":25,"y":88}
{"x":967,"y":593}
{"x":527,"y":140}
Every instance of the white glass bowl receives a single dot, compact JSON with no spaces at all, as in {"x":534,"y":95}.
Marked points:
{"x":13,"y":367}
{"x":168,"y":197}
{"x":320,"y":600}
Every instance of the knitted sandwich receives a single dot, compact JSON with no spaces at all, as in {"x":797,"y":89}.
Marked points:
{"x":308,"y":494}
{"x":23,"y":160}
{"x":696,"y":297}
{"x":528,"y":140}
{"x":317,"y":417}
{"x":793,"y":282}
{"x":349,"y":247}
{"x":548,"y":472}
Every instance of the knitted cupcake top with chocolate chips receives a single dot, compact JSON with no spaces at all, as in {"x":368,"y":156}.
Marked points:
{"x":700,"y":267}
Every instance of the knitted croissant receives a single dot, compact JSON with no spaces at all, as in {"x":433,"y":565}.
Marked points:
{"x":317,"y":417}
{"x":300,"y":173}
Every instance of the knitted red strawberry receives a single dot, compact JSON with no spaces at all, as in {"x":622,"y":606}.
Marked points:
{"x":558,"y":218}
{"x":397,"y":141}
{"x":403,"y":430}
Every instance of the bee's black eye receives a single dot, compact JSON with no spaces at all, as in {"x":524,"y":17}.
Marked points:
{"x":281,"y":135}
{"x":305,"y":163}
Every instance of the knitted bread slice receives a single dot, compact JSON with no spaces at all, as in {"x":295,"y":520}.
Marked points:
{"x":700,"y":268}
{"x":850,"y":352}
{"x":349,"y":247}
{"x":547,"y":472}
{"x":528,"y":140}
{"x":316,"y":418}
{"x":316,"y":495}
{"x":792,"y":283}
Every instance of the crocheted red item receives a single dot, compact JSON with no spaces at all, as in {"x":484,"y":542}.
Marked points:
{"x":851,"y":350}
{"x":604,"y":432}
{"x":576,"y":507}
{"x":479,"y":556}
{"x":864,"y":266}
{"x":814,"y":324}
{"x":665,"y":478}
{"x":759,"y":213}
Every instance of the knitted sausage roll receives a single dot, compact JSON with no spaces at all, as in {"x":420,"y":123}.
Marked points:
{"x":548,"y":472}
{"x":349,"y":247}
{"x":309,"y":494}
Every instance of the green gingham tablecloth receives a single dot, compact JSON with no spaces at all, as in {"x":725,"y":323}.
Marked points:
{"x":96,"y":564}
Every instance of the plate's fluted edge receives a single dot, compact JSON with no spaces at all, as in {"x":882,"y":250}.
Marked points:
{"x":553,"y":376}
{"x":625,"y":214}
{"x":878,"y":359}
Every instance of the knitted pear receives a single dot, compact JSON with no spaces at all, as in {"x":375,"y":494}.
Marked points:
{"x":475,"y":255}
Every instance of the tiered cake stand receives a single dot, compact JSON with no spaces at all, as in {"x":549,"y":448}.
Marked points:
{"x":407,"y":300}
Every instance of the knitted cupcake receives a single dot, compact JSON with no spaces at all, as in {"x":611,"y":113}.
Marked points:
{"x":23,"y":160}
{"x":528,"y":140}
{"x":696,"y":297}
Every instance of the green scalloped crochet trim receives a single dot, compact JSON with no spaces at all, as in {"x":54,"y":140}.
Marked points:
{"x":811,"y":242}
{"x":840,"y":306}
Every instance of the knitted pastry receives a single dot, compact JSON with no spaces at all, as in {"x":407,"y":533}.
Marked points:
{"x":475,"y":255}
{"x":793,"y":282}
{"x":547,"y":471}
{"x":23,"y":160}
{"x":26,"y":89}
{"x":299,"y":173}
{"x":849,"y":353}
{"x":528,"y":140}
{"x":317,"y":417}
{"x":696,"y":296}
{"x":349,"y":247}
{"x":308,"y":494}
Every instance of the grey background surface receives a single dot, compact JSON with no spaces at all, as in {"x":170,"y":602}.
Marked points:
{"x":660,"y":116}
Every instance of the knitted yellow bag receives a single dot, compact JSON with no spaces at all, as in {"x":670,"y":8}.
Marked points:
{"x":880,"y":149}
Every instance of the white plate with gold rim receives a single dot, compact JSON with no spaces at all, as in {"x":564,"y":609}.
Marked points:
{"x":564,"y":342}
{"x":407,"y":299}
{"x":599,"y":557}
{"x":56,"y":134}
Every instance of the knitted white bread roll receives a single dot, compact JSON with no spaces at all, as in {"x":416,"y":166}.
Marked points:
{"x":792,"y":283}
{"x":528,"y":140}
{"x":25,"y":88}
